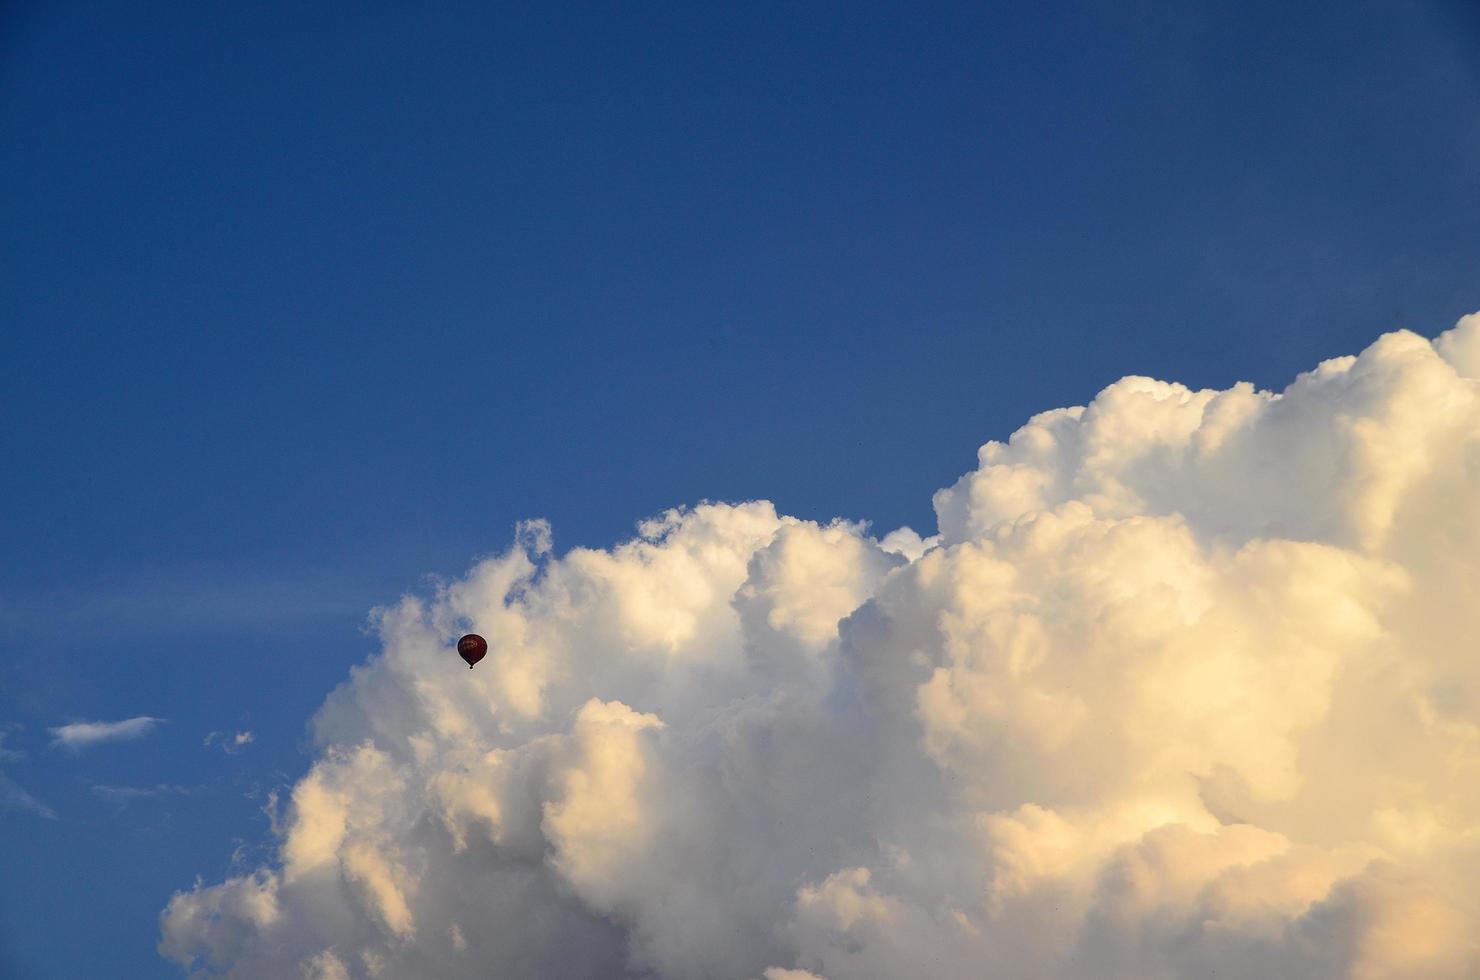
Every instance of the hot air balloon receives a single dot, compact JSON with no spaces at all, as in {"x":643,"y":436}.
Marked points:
{"x":472,"y":648}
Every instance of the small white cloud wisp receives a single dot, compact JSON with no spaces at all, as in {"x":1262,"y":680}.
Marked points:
{"x":229,"y":742}
{"x":1185,"y":685}
{"x":83,"y":734}
{"x":13,"y":798}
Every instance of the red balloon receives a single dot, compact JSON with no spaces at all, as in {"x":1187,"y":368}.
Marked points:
{"x":472,"y":648}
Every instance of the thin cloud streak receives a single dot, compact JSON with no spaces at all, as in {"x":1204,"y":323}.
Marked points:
{"x":82,"y":734}
{"x":12,"y":797}
{"x":125,"y":794}
{"x":181,"y":600}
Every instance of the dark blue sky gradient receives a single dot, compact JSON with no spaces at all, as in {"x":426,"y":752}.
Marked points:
{"x":302,"y":302}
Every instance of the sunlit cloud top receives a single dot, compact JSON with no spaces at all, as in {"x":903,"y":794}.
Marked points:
{"x":1184,"y":685}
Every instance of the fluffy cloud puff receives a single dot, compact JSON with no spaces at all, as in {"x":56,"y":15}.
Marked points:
{"x":1185,"y":686}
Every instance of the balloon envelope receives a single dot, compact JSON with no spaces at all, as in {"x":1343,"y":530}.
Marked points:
{"x":472,"y":648}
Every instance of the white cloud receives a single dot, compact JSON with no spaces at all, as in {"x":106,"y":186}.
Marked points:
{"x":12,"y":797}
{"x":229,"y":742}
{"x":81,"y":734}
{"x":1185,"y":686}
{"x":8,"y":755}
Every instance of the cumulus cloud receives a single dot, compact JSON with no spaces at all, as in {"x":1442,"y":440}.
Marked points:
{"x":82,"y":734}
{"x":1185,"y":685}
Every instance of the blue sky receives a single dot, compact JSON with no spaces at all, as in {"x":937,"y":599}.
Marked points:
{"x":303,"y":305}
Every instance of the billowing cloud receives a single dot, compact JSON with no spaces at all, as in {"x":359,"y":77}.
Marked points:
{"x":1186,"y":685}
{"x":81,"y":734}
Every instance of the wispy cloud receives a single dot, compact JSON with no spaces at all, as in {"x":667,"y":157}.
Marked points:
{"x":176,"y":600}
{"x":81,"y":734}
{"x":12,"y":797}
{"x":230,"y":743}
{"x":125,"y":794}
